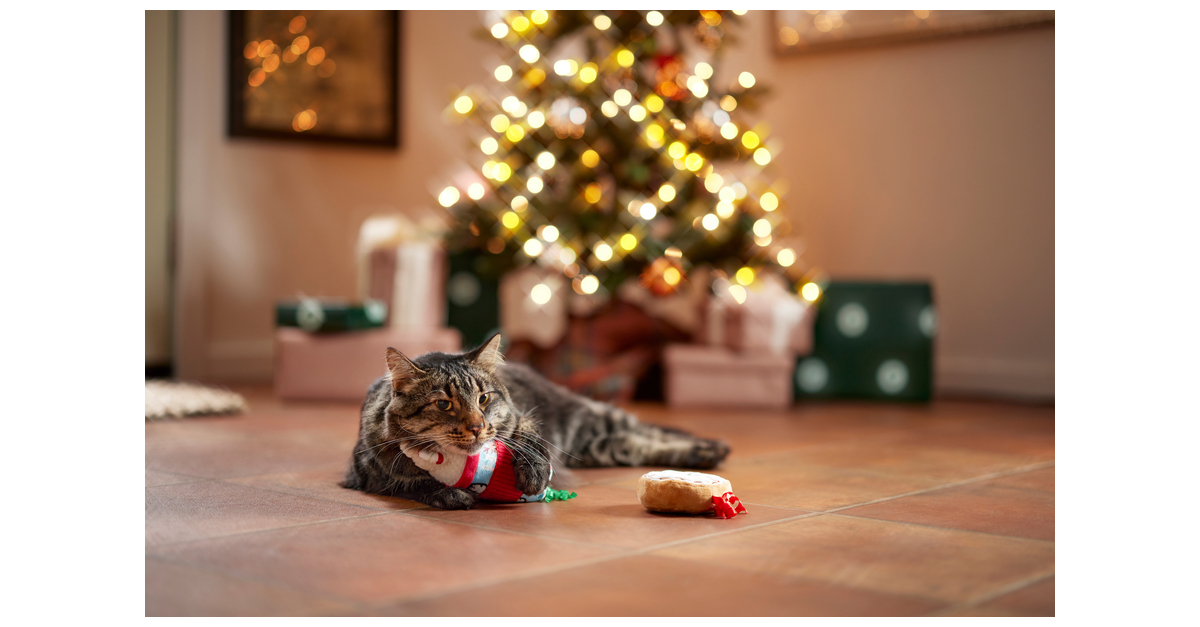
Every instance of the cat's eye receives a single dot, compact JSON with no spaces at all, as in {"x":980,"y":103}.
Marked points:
{"x":483,"y":398}
{"x":443,"y":405}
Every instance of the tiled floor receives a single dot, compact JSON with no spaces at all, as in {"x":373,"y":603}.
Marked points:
{"x":854,"y":509}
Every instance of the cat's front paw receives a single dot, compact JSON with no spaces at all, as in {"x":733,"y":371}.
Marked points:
{"x":532,"y":476}
{"x":452,"y":498}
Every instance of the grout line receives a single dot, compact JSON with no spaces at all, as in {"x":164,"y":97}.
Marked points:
{"x":994,"y":594}
{"x":501,"y":529}
{"x":308,"y":496}
{"x":955,"y":529}
{"x":153,"y":547}
{"x":954,"y":484}
{"x":582,"y":563}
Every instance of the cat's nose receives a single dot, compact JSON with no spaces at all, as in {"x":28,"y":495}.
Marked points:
{"x":475,"y":427}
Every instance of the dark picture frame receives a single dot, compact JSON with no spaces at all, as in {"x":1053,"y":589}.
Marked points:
{"x":382,"y":127}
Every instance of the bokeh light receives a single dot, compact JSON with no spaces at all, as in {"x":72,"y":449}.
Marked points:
{"x":745,"y":275}
{"x":536,"y":119}
{"x":534,"y":184}
{"x":746,"y":79}
{"x":710,"y":221}
{"x":545,"y":160}
{"x":654,"y":18}
{"x":762,"y":228}
{"x":529,"y":53}
{"x":448,"y":197}
{"x":463,"y":104}
{"x":768,"y":201}
{"x":671,"y":276}
{"x":666,"y":192}
{"x":622,"y":97}
{"x":625,"y":58}
{"x":602,"y":22}
{"x":602,"y":251}
{"x":533,"y":247}
{"x":786,"y":257}
{"x":750,"y":139}
{"x":762,"y":156}
{"x":499,"y":31}
{"x":648,"y":211}
{"x":628,"y":241}
{"x":475,"y":191}
{"x":589,"y":284}
{"x":489,"y":146}
{"x":704,"y":70}
{"x":590,"y":158}
{"x":810,"y":292}
{"x":510,"y":220}
{"x":540,"y":293}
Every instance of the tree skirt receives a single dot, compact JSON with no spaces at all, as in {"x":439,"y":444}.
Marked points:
{"x":173,"y":399}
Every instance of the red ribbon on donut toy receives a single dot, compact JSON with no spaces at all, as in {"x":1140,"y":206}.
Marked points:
{"x":728,"y":505}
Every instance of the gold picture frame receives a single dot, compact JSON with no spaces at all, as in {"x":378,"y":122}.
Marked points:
{"x":800,"y":32}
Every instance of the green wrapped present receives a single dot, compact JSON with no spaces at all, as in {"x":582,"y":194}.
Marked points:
{"x":871,"y":340}
{"x":473,"y":297}
{"x":316,"y":316}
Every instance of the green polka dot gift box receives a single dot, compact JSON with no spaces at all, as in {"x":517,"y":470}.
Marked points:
{"x":871,"y":340}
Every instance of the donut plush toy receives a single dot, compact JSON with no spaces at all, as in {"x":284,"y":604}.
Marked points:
{"x":688,"y":493}
{"x":488,"y":473}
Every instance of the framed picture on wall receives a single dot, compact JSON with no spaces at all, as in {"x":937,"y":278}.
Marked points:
{"x":315,"y":76}
{"x":799,"y":32}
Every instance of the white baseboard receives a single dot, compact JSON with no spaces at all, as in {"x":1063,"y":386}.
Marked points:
{"x":1004,"y":378}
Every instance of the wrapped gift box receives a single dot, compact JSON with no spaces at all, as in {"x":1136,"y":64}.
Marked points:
{"x":341,"y":366}
{"x":872,"y":340}
{"x":711,"y":376}
{"x":318,"y":316}
{"x":771,"y":319}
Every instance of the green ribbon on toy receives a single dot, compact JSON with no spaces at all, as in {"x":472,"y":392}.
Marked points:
{"x":558,"y":495}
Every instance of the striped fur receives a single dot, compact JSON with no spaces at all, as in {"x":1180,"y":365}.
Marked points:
{"x":541,"y":422}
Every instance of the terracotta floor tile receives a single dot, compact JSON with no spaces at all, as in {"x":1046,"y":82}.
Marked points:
{"x":785,"y":480}
{"x":984,"y":507}
{"x":1041,"y":479}
{"x":658,"y":586}
{"x":604,"y":515}
{"x":245,"y":457}
{"x":911,"y":460}
{"x":322,"y":483}
{"x":588,"y":476}
{"x":1035,"y":446}
{"x":753,"y":433}
{"x":894,"y":558}
{"x":154,"y":477}
{"x":174,"y":590}
{"x":204,"y":509}
{"x":379,"y":559}
{"x":1036,"y":599}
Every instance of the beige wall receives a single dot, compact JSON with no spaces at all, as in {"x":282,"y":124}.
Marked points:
{"x":931,"y":160}
{"x":159,"y":193}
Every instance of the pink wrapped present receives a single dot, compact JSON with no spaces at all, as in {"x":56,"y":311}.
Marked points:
{"x":340,"y":366}
{"x":770,"y":319}
{"x":711,"y":376}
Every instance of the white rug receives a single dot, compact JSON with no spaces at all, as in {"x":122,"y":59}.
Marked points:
{"x":173,"y":399}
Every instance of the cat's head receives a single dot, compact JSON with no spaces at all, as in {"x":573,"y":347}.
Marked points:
{"x":455,"y":403}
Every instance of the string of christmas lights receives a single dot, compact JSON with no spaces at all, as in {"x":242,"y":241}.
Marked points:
{"x":610,"y":153}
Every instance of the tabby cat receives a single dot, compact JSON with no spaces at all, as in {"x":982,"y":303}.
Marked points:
{"x":460,"y":402}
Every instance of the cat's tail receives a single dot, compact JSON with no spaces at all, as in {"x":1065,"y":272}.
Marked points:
{"x":610,"y":436}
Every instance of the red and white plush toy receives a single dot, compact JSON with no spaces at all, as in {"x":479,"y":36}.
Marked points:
{"x":688,"y":493}
{"x":488,"y":473}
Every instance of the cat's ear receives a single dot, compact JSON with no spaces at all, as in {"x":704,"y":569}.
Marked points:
{"x":401,"y":370}
{"x":488,"y":356}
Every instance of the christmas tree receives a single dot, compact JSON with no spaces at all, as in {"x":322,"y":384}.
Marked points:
{"x":608,"y":154}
